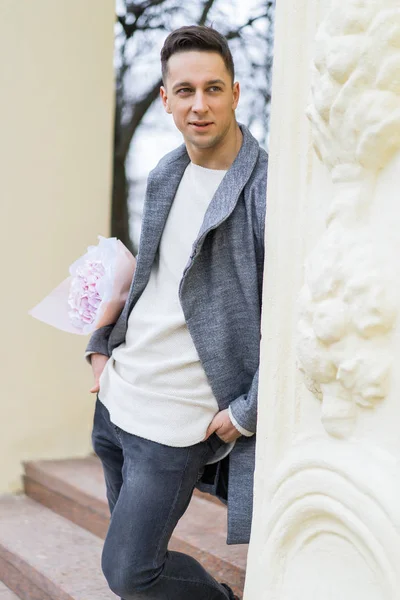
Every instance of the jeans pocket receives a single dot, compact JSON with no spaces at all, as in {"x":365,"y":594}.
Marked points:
{"x":200,"y":472}
{"x":215,"y":442}
{"x":211,"y":445}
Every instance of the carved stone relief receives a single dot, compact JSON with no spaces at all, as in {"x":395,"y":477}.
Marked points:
{"x":332,"y":530}
{"x":348,"y":306}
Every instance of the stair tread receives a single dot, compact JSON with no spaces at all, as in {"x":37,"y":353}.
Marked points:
{"x":78,"y":478}
{"x":203,"y":525}
{"x":59,"y":557}
{"x":6,"y":593}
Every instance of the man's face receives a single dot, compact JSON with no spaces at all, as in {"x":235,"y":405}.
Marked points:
{"x":201,"y":98}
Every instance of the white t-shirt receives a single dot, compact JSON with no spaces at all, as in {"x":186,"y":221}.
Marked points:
{"x":154,"y":385}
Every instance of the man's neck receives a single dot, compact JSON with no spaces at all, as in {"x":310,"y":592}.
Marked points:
{"x":221,"y":156}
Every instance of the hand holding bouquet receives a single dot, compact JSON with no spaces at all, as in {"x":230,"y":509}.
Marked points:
{"x":94,"y":294}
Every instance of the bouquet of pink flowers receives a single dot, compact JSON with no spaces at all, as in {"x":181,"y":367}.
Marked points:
{"x":94,"y":294}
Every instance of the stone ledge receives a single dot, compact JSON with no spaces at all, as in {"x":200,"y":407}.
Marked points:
{"x":46,"y":557}
{"x":6,"y":593}
{"x":75,"y":489}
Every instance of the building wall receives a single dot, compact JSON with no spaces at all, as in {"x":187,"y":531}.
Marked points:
{"x":327,"y":481}
{"x":56,"y":107}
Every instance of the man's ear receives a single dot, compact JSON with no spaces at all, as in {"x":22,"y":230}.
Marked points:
{"x":236,"y":94}
{"x":164,"y":98}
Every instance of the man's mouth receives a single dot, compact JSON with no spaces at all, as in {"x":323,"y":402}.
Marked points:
{"x":201,"y":124}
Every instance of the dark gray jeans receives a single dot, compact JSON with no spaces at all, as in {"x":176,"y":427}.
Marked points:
{"x":149,"y":487}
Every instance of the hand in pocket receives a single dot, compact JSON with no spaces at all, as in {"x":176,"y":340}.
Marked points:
{"x":98,"y":362}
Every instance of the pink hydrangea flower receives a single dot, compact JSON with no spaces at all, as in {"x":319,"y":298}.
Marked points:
{"x":84,"y":297}
{"x":94,"y":294}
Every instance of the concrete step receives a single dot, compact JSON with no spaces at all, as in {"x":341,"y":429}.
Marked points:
{"x":46,"y":557}
{"x":6,"y":593}
{"x":75,"y":489}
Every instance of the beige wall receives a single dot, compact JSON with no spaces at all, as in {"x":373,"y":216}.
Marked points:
{"x":327,"y":481}
{"x":56,"y":111}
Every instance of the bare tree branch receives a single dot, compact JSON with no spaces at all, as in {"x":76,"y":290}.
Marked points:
{"x":207,"y":6}
{"x":138,"y":113}
{"x":137,"y":10}
{"x":235,"y":33}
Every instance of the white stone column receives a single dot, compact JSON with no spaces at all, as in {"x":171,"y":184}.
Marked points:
{"x":327,"y":496}
{"x":56,"y":110}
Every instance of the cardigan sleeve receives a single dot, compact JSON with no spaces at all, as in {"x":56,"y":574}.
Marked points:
{"x":98,"y":342}
{"x":241,"y":429}
{"x":244,"y":408}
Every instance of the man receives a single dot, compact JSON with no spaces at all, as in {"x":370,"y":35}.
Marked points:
{"x":177,"y":375}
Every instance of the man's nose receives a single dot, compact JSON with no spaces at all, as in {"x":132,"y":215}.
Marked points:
{"x":199,"y":103}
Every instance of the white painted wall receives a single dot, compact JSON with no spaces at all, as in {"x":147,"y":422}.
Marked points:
{"x":327,"y":495}
{"x":56,"y":107}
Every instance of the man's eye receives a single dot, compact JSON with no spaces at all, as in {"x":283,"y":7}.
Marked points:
{"x":183,"y":91}
{"x":214,"y":88}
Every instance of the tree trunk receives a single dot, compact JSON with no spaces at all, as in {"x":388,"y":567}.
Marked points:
{"x":119,"y":210}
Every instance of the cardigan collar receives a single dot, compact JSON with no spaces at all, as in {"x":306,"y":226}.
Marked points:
{"x":162,"y":185}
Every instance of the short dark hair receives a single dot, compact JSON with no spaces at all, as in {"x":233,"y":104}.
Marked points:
{"x":196,"y":37}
